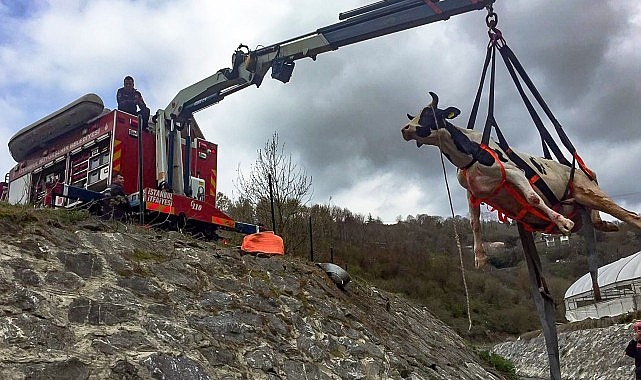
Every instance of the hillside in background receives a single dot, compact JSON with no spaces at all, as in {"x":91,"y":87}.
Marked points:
{"x":418,"y":257}
{"x":425,"y":265}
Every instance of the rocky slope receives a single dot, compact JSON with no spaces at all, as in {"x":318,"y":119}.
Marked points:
{"x":109,"y":301}
{"x":591,"y":354}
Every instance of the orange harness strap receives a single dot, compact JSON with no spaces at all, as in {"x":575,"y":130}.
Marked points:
{"x":584,"y":167}
{"x":477,"y":201}
{"x":526,"y":207}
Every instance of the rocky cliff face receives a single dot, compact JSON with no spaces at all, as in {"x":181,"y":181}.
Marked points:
{"x":594,"y":354}
{"x":111,"y":301}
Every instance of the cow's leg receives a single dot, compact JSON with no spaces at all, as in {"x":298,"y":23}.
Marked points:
{"x":515,"y":177}
{"x":590,"y":195}
{"x":587,"y":231}
{"x":480,"y":258}
{"x":600,"y":224}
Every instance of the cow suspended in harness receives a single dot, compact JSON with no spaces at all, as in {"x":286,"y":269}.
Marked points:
{"x":490,"y":175}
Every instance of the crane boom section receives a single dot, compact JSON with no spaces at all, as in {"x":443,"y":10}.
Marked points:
{"x":371,"y":21}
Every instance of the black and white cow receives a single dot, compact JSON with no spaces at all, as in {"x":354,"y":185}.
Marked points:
{"x":491,"y":177}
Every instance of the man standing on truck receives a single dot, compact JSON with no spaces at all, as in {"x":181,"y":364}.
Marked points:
{"x":129,"y":99}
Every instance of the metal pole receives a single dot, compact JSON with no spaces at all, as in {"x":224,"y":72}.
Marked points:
{"x":187,"y":160}
{"x":170,"y":152}
{"x":141,"y":208}
{"x":311,"y":240}
{"x":587,"y":231}
{"x":271,"y":200}
{"x":543,"y":302}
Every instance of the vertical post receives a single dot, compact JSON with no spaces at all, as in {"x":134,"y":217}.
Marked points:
{"x":587,"y":231}
{"x":170,"y":153}
{"x":543,"y":302}
{"x":311,"y":240}
{"x":331,"y":255}
{"x":141,"y":208}
{"x":187,"y":165}
{"x":271,"y":200}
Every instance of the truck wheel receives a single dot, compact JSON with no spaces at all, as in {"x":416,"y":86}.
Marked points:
{"x":209,"y":232}
{"x":181,"y":223}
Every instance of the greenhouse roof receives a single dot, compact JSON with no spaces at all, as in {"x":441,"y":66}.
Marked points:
{"x":627,"y":268}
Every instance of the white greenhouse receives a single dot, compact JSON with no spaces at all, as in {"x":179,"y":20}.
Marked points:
{"x":620,"y":284}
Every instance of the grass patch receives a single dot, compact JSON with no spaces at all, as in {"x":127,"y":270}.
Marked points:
{"x":499,"y":363}
{"x":22,"y":215}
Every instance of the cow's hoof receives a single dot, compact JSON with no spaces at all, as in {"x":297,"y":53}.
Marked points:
{"x":480,"y":261}
{"x":565,"y":226}
{"x":606,"y":226}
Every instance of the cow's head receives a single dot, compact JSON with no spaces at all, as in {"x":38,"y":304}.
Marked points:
{"x":430,"y":119}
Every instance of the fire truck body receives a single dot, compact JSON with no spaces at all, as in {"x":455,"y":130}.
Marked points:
{"x":62,"y":154}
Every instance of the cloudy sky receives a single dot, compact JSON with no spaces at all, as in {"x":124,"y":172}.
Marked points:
{"x":339,"y":116}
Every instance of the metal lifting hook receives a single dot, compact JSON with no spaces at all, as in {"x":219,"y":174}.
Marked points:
{"x":492,"y":19}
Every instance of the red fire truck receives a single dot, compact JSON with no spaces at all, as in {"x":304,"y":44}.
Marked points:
{"x":69,"y":156}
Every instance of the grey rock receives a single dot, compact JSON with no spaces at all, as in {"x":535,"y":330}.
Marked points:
{"x":592,"y":354}
{"x":123,"y":370}
{"x":94,"y":304}
{"x":167,"y":367}
{"x":83,"y":264}
{"x":69,"y":369}
{"x":219,"y":356}
{"x":64,"y":279}
{"x":83,"y":310}
{"x":142,"y":286}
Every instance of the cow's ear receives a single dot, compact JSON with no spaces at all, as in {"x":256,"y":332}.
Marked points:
{"x":451,"y":112}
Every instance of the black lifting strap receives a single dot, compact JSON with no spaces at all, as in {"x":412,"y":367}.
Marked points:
{"x":511,"y":62}
{"x":547,"y":142}
{"x":529,"y":172}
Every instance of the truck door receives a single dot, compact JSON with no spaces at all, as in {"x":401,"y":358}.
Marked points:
{"x":20,"y":190}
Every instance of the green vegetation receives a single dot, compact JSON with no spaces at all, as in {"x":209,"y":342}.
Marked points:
{"x":139,"y":255}
{"x":499,"y":363}
{"x":22,"y":215}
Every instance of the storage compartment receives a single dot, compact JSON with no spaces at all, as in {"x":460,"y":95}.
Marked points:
{"x":94,"y":162}
{"x":94,"y":177}
{"x":104,"y":173}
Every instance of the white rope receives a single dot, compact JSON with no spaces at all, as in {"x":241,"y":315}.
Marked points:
{"x":458,"y":241}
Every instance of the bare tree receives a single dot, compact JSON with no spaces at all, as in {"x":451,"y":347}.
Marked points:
{"x":290,"y":183}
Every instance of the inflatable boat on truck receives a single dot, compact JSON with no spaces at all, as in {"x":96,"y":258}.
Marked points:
{"x":37,"y":135}
{"x":69,"y":157}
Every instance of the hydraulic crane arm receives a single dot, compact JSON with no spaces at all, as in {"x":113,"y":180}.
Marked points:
{"x":370,"y":21}
{"x":250,"y":66}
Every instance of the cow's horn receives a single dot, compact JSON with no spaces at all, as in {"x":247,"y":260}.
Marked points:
{"x":434,"y":103}
{"x":410,"y":117}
